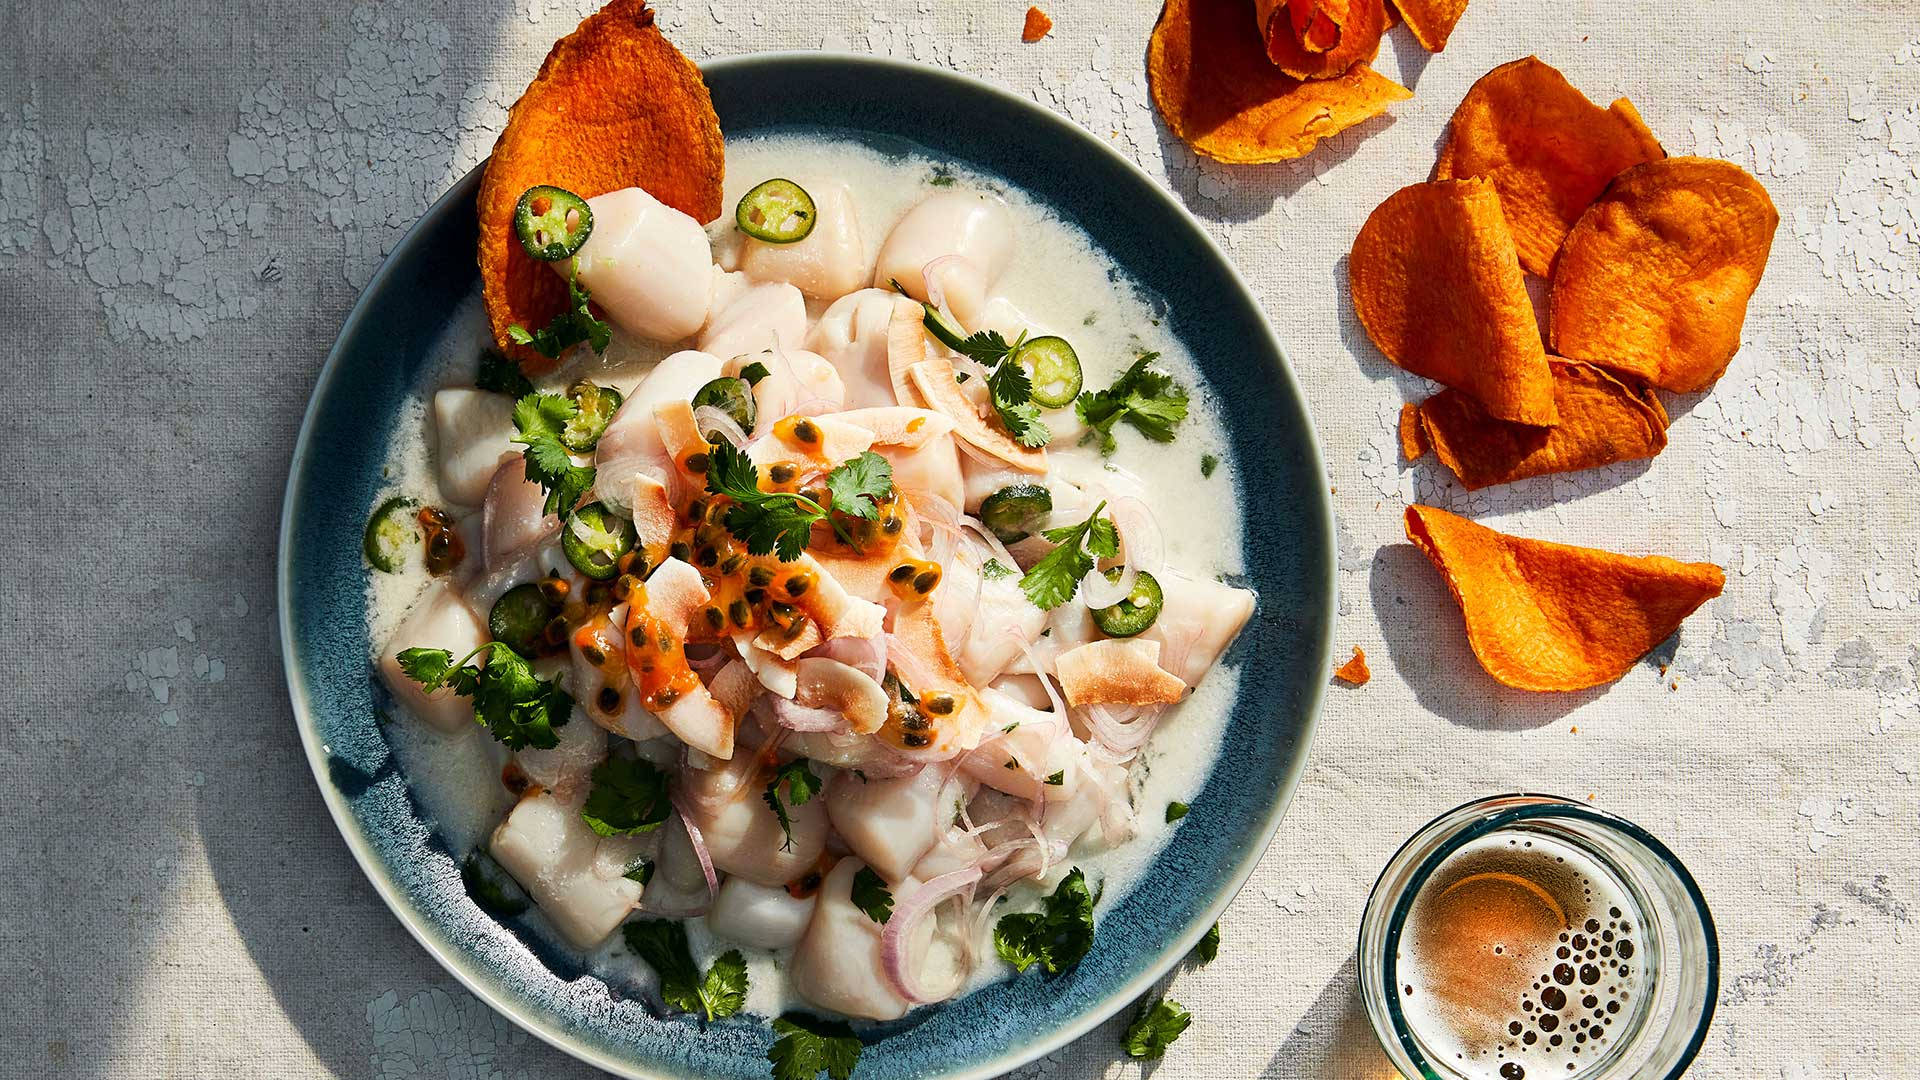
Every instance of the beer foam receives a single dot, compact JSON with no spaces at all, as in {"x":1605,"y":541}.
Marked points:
{"x":1517,"y":960}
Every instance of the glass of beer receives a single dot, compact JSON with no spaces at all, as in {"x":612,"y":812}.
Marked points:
{"x":1524,"y":937}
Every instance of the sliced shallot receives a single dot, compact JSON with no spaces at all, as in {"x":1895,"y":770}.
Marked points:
{"x":908,"y":912}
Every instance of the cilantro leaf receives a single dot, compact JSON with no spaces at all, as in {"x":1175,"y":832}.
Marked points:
{"x":994,"y":570}
{"x":662,"y":943}
{"x":1012,"y":392}
{"x":628,"y":797}
{"x":986,"y":347}
{"x":1057,"y":779}
{"x":1149,"y":400}
{"x":640,"y":873}
{"x":567,"y":329}
{"x":491,"y":887}
{"x":810,"y":1045}
{"x":1056,"y":577}
{"x":539,"y":420}
{"x":802,"y":785}
{"x":1208,"y":463}
{"x":518,"y":707}
{"x":1155,"y":1029}
{"x":871,"y":895}
{"x":1209,"y":945}
{"x":858,"y":484}
{"x":1055,"y":938}
{"x":1175,"y":811}
{"x":502,"y":376}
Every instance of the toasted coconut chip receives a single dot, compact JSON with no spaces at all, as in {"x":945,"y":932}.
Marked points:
{"x":917,"y":634}
{"x":614,"y":106}
{"x":899,"y":425}
{"x":1036,"y":26}
{"x":680,"y":434}
{"x":1437,"y":286}
{"x":1655,"y":278}
{"x":1413,"y":441}
{"x":735,"y":688}
{"x":1115,"y":671}
{"x":1432,"y":21}
{"x":839,"y":440}
{"x":906,"y":346}
{"x":935,"y":381}
{"x":788,"y":646}
{"x":1544,"y":616}
{"x":1548,"y":150}
{"x":1602,"y":420}
{"x":837,"y":612}
{"x":1320,"y":39}
{"x":1354,"y":671}
{"x":862,"y":574}
{"x":654,"y":518}
{"x":779,"y":677}
{"x":1216,"y":89}
{"x":673,"y":594}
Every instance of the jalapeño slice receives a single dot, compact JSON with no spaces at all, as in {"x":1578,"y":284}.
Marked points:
{"x":776,"y":211}
{"x":552,"y":222}
{"x":1054,"y":368}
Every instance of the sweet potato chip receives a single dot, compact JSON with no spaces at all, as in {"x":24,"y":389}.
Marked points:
{"x":1432,"y":21}
{"x":1217,"y":91}
{"x":1036,"y":26}
{"x":614,"y":106}
{"x":1602,"y":420}
{"x":1354,"y":671}
{"x":1548,"y":150}
{"x":1320,"y":39}
{"x":1413,"y":439}
{"x":1544,"y":616}
{"x":1437,"y":286}
{"x":1655,"y":278}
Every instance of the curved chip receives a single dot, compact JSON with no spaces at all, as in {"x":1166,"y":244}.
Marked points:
{"x":1544,"y":616}
{"x":1413,"y":440}
{"x":1548,"y":150}
{"x":1217,"y":91}
{"x":1436,"y":284}
{"x":1319,"y":39}
{"x":1355,"y":671}
{"x":1602,"y":420}
{"x":615,"y":105}
{"x":1655,"y":278}
{"x":1432,"y":21}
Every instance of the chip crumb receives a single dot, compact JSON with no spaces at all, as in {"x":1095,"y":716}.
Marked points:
{"x":1574,"y":730}
{"x":1355,"y":671}
{"x":1037,"y":26}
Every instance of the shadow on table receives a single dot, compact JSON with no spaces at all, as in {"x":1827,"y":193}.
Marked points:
{"x":1333,"y":1038}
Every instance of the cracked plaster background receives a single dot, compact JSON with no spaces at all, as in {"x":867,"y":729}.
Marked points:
{"x":190,"y":197}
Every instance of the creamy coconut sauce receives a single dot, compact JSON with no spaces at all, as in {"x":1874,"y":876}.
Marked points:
{"x":1063,"y":285}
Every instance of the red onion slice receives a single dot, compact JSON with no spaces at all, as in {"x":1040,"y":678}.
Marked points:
{"x":796,"y":717}
{"x":865,"y":655}
{"x":1141,"y":548}
{"x":908,"y":912}
{"x":699,"y":844}
{"x":930,"y":275}
{"x":712,"y":419}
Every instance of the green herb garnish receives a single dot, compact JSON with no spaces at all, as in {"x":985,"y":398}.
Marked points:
{"x":662,"y":943}
{"x":640,"y":872}
{"x":781,"y":522}
{"x":1055,"y":938}
{"x":629,"y":796}
{"x":809,"y":1045}
{"x":1208,"y":463}
{"x":1057,"y":779}
{"x":1149,"y":400}
{"x":1155,"y":1029}
{"x":569,"y":328}
{"x":994,"y":570}
{"x":802,"y":785}
{"x":871,"y":895}
{"x":491,"y":887}
{"x":1176,"y":810}
{"x":539,"y":421}
{"x":518,"y":707}
{"x":502,"y":376}
{"x":1209,"y":946}
{"x":1056,"y":577}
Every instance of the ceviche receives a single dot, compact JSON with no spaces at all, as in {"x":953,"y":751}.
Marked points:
{"x":814,"y":627}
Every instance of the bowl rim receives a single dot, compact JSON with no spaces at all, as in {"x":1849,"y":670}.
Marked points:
{"x":1236,"y":873}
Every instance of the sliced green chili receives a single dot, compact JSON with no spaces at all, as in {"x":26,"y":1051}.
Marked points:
{"x":731,"y":396}
{"x":594,"y":409}
{"x":552,"y":222}
{"x":1135,"y":612}
{"x":594,"y":537}
{"x":1013,"y":512}
{"x":776,"y":212}
{"x":391,"y":531}
{"x":1054,"y":368}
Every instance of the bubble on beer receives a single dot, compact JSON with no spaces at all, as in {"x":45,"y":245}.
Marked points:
{"x":1513,"y":960}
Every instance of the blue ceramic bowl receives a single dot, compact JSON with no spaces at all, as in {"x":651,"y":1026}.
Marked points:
{"x":1283,"y":655}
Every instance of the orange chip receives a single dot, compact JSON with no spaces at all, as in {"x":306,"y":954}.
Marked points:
{"x":1216,"y":89}
{"x":614,"y":106}
{"x":1432,"y":21}
{"x":1413,"y":438}
{"x":1319,"y":39}
{"x":1548,"y":150}
{"x":1436,"y":284}
{"x":1544,"y":616}
{"x":1354,"y":671}
{"x":1655,"y":278}
{"x":1037,"y":26}
{"x":1602,"y":420}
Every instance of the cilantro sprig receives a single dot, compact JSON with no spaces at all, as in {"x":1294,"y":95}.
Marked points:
{"x":1056,"y":577}
{"x":518,"y":707}
{"x":1208,"y":946}
{"x":1007,"y":382}
{"x":502,"y":376}
{"x":781,"y":523}
{"x":810,"y":1045}
{"x":628,"y":797}
{"x":539,"y":421}
{"x":1149,"y":400}
{"x":802,"y":785}
{"x":871,"y":895}
{"x":1155,"y":1028}
{"x":1055,"y":938}
{"x":569,"y":328}
{"x":662,"y":943}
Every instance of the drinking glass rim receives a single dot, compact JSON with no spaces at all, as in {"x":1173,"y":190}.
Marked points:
{"x":1560,"y":807}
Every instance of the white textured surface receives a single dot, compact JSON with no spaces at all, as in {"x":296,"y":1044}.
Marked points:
{"x":189,"y":200}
